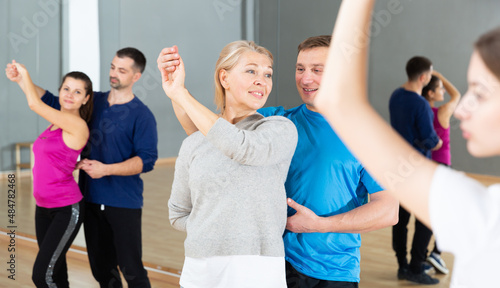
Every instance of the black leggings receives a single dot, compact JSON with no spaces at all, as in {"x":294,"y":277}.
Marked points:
{"x":56,"y":228}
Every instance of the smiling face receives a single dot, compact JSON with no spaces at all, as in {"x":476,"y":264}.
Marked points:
{"x":479,"y":110}
{"x":248,"y":84}
{"x":308,"y":73}
{"x":72,"y":94}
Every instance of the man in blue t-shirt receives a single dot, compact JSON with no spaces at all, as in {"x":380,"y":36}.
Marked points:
{"x":329,"y":187}
{"x":122,"y":145}
{"x":321,"y":241}
{"x":412,"y":117}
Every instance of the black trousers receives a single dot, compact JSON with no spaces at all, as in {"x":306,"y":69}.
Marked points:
{"x":113,"y":237}
{"x":295,"y":279}
{"x":420,"y":242}
{"x":56,"y":228}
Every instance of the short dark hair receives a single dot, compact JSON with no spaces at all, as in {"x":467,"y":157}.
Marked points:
{"x":134,"y":54}
{"x":86,"y":109}
{"x":314,"y":42}
{"x":433,"y":84}
{"x":416,"y":66}
{"x":488,"y":47}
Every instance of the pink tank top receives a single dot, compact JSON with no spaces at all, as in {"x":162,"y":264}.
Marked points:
{"x":53,"y":182}
{"x":443,"y":154}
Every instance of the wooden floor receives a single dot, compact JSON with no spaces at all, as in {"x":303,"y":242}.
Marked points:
{"x":163,"y":247}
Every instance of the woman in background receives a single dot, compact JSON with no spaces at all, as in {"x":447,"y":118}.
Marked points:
{"x":464,"y":215}
{"x":59,"y":204}
{"x":434,"y":92}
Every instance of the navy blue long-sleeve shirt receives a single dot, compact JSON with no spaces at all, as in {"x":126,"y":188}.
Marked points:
{"x":411,"y":116}
{"x":117,"y":133}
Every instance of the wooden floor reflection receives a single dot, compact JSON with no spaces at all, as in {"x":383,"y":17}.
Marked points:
{"x":163,"y":246}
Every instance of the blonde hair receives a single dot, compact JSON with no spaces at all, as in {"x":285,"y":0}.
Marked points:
{"x":228,"y":58}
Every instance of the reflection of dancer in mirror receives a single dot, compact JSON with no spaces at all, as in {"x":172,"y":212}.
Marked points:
{"x":228,"y":192}
{"x":434,"y":92}
{"x":59,"y":204}
{"x":411,"y":116}
{"x":463,"y":213}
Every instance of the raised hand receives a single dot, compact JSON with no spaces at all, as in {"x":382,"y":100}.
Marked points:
{"x":437,"y":74}
{"x":172,"y":72}
{"x":12,"y":72}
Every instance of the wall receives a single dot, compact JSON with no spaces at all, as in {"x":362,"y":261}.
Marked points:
{"x":30,"y":34}
{"x":39,"y":31}
{"x":199,"y":28}
{"x":442,"y":30}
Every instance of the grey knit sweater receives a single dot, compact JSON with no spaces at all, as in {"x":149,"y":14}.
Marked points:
{"x":228,"y":192}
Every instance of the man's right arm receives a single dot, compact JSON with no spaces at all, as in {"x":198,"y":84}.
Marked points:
{"x":51,"y":100}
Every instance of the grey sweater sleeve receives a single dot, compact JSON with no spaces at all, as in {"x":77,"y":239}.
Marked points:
{"x":273,"y":140}
{"x":180,"y":204}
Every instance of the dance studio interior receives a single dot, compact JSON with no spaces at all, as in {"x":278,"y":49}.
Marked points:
{"x":52,"y":37}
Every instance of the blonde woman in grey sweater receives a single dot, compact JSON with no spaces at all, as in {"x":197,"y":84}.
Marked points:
{"x":228,"y":192}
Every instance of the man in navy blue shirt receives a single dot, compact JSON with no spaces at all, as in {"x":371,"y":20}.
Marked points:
{"x":412,"y":117}
{"x":122,"y":145}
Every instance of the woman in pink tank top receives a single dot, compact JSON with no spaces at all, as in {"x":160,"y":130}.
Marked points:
{"x":434,"y":92}
{"x":59,"y":209}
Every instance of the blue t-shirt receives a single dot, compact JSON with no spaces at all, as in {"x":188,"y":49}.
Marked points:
{"x":117,"y":133}
{"x":412,"y":118}
{"x":325,"y":177}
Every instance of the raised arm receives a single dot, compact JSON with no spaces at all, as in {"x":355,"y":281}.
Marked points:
{"x":191,"y":113}
{"x":446,"y":110}
{"x":73,"y":125}
{"x":168,"y":60}
{"x":396,"y":165}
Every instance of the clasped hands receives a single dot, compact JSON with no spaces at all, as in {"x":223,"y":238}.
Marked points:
{"x":172,"y":71}
{"x":15,"y":72}
{"x":93,"y":168}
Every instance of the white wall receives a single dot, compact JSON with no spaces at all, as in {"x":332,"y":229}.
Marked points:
{"x":83,"y":39}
